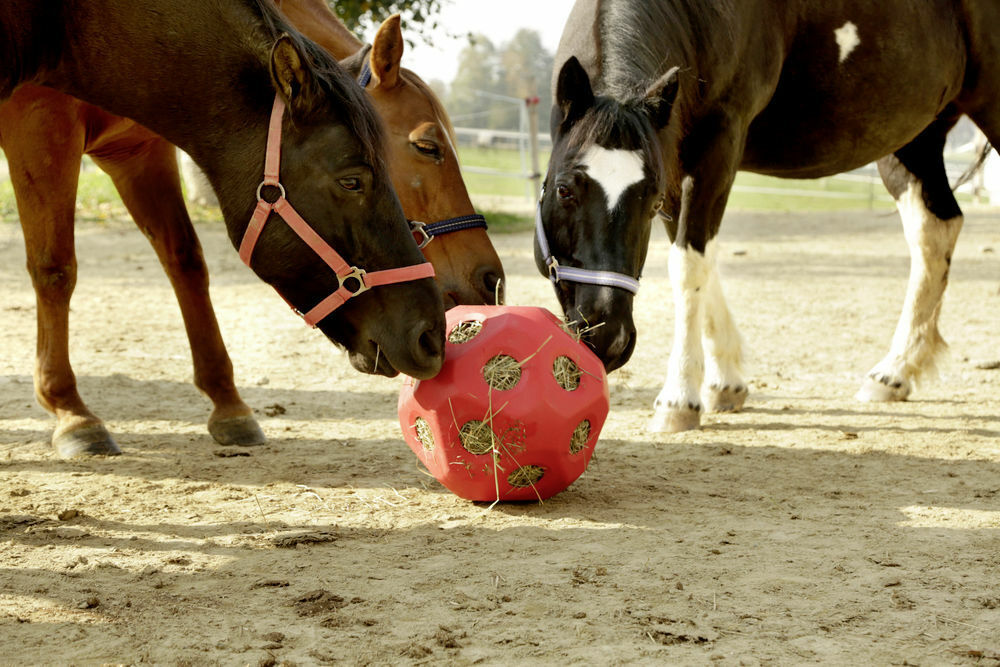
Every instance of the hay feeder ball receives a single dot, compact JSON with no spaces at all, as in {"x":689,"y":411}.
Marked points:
{"x":514,"y":413}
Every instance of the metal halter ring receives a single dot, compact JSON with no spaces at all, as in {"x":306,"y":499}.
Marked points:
{"x":356,"y":274}
{"x":417,"y":227}
{"x":281,"y":191}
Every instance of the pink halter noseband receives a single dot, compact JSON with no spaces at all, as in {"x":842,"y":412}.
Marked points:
{"x":362,"y":280}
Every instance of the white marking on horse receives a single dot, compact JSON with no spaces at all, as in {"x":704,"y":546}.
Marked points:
{"x":847,"y":39}
{"x":614,"y":170}
{"x":917,"y":341}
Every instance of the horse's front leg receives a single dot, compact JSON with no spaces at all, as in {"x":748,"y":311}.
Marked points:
{"x":45,"y":190}
{"x":143,"y":167}
{"x":915,"y":176}
{"x":703,"y":323}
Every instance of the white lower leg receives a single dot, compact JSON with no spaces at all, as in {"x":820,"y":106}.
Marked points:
{"x":724,"y":389}
{"x":678,"y":405}
{"x":917,"y":342}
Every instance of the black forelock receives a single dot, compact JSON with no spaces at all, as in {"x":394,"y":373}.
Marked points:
{"x":619,"y":125}
{"x":334,"y":83}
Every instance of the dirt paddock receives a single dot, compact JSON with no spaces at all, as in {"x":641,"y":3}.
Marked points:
{"x":808,"y":528}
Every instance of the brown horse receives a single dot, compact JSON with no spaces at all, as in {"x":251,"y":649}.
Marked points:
{"x":210,"y":89}
{"x":423,"y":163}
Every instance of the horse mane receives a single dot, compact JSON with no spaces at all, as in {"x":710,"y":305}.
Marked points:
{"x":631,"y":57}
{"x":23,"y":58}
{"x":334,"y":83}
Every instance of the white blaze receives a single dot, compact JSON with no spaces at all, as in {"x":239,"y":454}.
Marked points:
{"x":847,"y":39}
{"x":613,"y":170}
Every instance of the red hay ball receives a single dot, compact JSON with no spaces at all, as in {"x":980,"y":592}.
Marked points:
{"x":514,"y":413}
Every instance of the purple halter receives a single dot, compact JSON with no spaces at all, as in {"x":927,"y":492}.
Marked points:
{"x":575,"y":275}
{"x":424,"y":232}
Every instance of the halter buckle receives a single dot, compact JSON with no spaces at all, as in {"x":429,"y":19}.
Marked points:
{"x":553,"y":265}
{"x":420,"y":234}
{"x":276,"y":184}
{"x":355,"y":274}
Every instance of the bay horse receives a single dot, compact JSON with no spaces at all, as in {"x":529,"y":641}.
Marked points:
{"x":420,"y":152}
{"x":658,"y":103}
{"x":242,"y":92}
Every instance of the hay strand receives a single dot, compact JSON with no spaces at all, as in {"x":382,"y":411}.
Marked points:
{"x":566,"y":372}
{"x":465,"y":331}
{"x":581,"y":434}
{"x":502,"y":372}
{"x":477,"y":437}
{"x":424,"y":433}
{"x":526,"y":476}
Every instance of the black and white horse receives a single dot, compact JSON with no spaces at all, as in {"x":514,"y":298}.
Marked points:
{"x":660,"y":102}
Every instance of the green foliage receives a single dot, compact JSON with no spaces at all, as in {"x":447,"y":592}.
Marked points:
{"x":518,"y":69}
{"x":363,"y":16}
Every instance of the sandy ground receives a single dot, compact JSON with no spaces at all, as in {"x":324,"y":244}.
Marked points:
{"x":809,"y":528}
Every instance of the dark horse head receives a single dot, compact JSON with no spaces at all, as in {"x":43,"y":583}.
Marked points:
{"x":604,"y":184}
{"x":204,"y":75}
{"x":335,"y":176}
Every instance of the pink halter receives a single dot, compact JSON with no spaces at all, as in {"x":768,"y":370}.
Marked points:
{"x":362,"y":280}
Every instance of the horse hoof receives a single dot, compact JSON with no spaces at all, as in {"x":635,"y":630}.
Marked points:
{"x":725,"y":399}
{"x":675,"y":420}
{"x":882,"y":389}
{"x":91,"y":440}
{"x":241,"y":431}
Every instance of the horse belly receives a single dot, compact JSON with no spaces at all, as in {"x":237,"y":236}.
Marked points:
{"x":851,"y":93}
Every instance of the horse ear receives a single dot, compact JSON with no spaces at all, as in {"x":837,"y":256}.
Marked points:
{"x":387,"y":51}
{"x":660,"y":98}
{"x":573,"y":92}
{"x":288,"y":72}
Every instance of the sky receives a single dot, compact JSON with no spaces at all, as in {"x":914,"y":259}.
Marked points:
{"x":497,"y":19}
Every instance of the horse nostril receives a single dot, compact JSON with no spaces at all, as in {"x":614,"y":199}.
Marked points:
{"x":428,"y":348}
{"x":492,"y":285}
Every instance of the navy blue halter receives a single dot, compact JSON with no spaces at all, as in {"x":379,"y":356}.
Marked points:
{"x":424,"y":232}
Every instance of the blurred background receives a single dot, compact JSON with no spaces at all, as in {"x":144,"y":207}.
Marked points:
{"x":491,"y":65}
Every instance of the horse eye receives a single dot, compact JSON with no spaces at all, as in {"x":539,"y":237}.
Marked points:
{"x":351,"y":183}
{"x":563,"y":192}
{"x":658,"y":205}
{"x":428,"y":148}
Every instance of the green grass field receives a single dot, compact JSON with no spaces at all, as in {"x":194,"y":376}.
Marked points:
{"x":98,"y":199}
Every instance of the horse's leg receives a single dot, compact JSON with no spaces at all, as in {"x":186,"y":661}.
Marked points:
{"x":701,"y":314}
{"x":724,"y":389}
{"x":915,"y":176}
{"x":144,"y":170}
{"x":45,"y":190}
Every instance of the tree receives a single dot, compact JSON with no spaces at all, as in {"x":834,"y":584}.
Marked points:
{"x":521,"y":68}
{"x":364,"y":16}
{"x":526,"y":69}
{"x":476,"y":75}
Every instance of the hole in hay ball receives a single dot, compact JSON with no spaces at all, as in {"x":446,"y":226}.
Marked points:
{"x":476,"y":436}
{"x":580,"y":437}
{"x":526,"y":476}
{"x":566,"y":372}
{"x":424,"y":433}
{"x":463,"y":332}
{"x":502,"y":372}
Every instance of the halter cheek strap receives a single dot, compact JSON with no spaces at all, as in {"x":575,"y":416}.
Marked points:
{"x":558,"y":272}
{"x":352,"y":280}
{"x":424,"y":232}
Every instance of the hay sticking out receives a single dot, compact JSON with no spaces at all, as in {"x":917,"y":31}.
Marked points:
{"x":580,"y":437}
{"x":502,"y":372}
{"x":526,"y":476}
{"x":424,"y":433}
{"x":463,"y":332}
{"x":477,"y":437}
{"x":566,"y":372}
